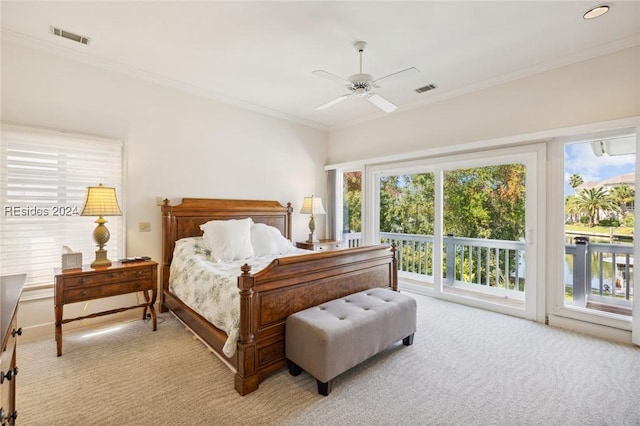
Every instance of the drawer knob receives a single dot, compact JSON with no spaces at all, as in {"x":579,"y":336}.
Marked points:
{"x":9,"y":375}
{"x":18,"y":332}
{"x":137,"y":285}
{"x":138,"y":273}
{"x":83,"y":293}
{"x":83,"y":280}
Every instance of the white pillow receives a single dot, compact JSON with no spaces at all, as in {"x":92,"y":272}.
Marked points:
{"x":228,"y":239}
{"x":267,"y":240}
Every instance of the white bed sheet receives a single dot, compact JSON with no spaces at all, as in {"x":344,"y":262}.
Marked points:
{"x":211,"y":288}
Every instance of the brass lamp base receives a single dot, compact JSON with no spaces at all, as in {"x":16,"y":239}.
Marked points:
{"x":101,"y":259}
{"x":312,"y":229}
{"x":101,"y":236}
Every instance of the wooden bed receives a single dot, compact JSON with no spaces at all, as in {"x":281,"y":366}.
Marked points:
{"x":268,"y":297}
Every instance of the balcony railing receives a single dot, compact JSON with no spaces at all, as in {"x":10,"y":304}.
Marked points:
{"x":595,"y":272}
{"x":600,"y":273}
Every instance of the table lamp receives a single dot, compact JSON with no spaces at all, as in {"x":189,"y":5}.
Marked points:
{"x":312,"y":205}
{"x":101,"y":201}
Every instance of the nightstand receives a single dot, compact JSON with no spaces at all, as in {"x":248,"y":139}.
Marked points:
{"x":87,"y":283}
{"x":321,"y":245}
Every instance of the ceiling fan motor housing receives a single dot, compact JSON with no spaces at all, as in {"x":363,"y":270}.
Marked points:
{"x":360,"y":84}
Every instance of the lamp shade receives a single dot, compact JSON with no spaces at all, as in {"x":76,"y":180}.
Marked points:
{"x":312,"y":205}
{"x":101,"y":201}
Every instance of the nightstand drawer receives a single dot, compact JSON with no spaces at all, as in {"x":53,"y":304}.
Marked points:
{"x":6,"y":357}
{"x":322,"y":245}
{"x":328,"y":246}
{"x":89,"y":292}
{"x":121,"y":275}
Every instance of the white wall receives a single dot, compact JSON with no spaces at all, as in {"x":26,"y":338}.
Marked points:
{"x":601,"y":89}
{"x":177,"y":145}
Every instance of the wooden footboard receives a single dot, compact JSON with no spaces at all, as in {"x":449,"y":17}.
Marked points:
{"x":268,"y":297}
{"x":292,"y":284}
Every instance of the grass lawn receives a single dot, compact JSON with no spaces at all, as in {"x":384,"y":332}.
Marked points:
{"x":603,"y":230}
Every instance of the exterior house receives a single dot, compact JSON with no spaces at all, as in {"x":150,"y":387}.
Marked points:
{"x":628,"y":179}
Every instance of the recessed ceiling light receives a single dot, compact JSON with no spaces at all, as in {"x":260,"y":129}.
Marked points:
{"x":596,"y":11}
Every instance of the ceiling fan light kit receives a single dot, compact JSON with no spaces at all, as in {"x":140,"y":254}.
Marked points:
{"x":361,"y":84}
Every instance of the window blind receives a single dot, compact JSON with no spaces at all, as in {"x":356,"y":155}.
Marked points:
{"x":43,"y":181}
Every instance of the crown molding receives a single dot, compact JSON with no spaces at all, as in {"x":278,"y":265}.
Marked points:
{"x":76,"y":54}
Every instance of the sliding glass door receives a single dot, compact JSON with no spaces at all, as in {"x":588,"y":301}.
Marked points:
{"x":465,"y":226}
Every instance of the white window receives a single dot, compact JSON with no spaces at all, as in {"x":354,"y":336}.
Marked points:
{"x":43,"y":181}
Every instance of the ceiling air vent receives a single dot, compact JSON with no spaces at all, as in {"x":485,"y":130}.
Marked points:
{"x":70,"y":36}
{"x":426,"y":88}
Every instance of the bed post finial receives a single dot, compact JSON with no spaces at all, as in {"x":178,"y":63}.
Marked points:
{"x":289,"y":211}
{"x":394,"y":267}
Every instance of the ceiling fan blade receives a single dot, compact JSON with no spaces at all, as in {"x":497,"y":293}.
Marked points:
{"x":332,"y":77}
{"x":333,"y":102}
{"x":381,"y":102}
{"x":396,"y":74}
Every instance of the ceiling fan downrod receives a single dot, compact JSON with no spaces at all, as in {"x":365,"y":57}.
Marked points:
{"x":360,"y":46}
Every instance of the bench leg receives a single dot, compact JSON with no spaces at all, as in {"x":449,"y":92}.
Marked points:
{"x":324,"y":388}
{"x":294,"y":369}
{"x":408,"y":341}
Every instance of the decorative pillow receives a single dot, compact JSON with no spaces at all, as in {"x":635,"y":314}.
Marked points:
{"x":228,"y":239}
{"x":267,"y":240}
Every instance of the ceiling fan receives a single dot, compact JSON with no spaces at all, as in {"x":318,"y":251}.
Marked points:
{"x":361,"y":85}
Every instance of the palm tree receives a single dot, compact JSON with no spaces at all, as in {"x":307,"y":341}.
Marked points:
{"x":575,"y":180}
{"x":592,"y":201}
{"x":572,"y":209}
{"x":624,"y":196}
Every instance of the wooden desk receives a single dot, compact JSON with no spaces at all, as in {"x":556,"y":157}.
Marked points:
{"x":87,"y":283}
{"x":10,"y":290}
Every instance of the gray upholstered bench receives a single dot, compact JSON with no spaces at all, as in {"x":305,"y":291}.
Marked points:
{"x":328,"y":339}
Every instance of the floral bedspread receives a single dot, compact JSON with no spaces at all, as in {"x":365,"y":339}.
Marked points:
{"x":211,"y":288}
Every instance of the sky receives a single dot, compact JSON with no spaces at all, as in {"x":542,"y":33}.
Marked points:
{"x":579,"y":158}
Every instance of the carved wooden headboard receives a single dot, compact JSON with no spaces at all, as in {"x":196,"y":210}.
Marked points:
{"x":184,"y":220}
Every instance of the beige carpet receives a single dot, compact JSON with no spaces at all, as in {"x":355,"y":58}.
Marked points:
{"x":466,"y":367}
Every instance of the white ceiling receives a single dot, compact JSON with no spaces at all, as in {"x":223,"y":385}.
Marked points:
{"x":261,"y":54}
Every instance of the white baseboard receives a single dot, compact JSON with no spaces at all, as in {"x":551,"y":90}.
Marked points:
{"x":591,"y":329}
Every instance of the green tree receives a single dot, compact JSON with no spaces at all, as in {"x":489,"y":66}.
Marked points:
{"x":390,"y":204}
{"x":571,"y":209}
{"x":575,"y":180}
{"x":485,"y":202}
{"x":352,"y":201}
{"x":624,"y":196}
{"x":592,"y":201}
